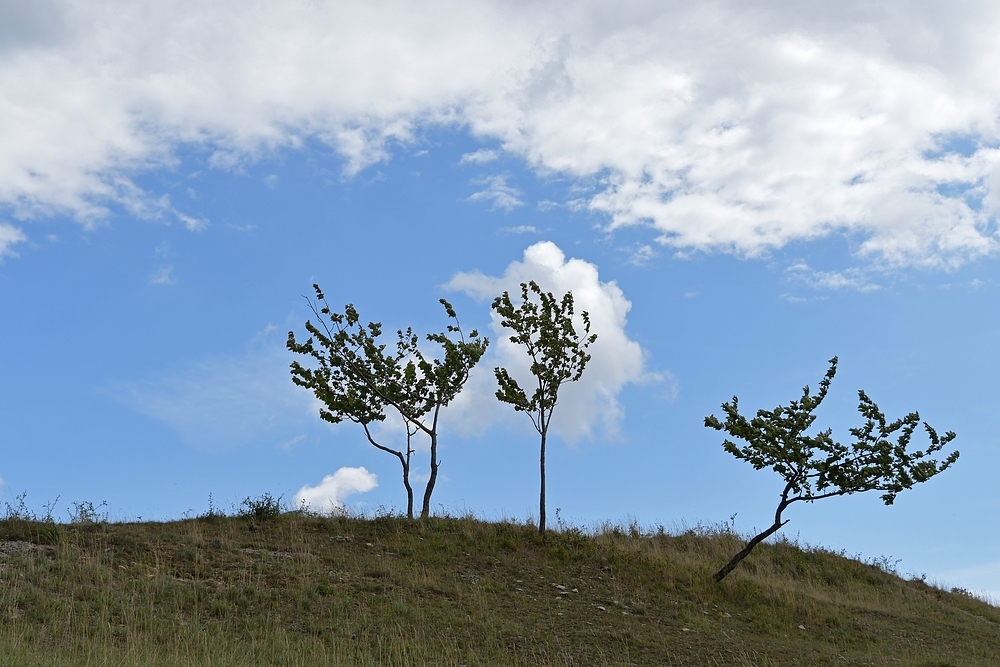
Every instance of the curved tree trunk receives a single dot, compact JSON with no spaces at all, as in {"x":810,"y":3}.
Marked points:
{"x":760,"y":537}
{"x":731,"y":565}
{"x":404,"y":461}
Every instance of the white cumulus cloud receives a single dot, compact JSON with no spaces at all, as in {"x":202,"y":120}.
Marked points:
{"x":723,"y":125}
{"x":584,"y":406}
{"x":328,"y":496}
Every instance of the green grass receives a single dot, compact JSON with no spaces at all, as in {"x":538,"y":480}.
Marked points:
{"x":302,"y":590}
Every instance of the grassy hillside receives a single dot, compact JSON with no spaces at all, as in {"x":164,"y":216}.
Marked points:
{"x":301,"y":590}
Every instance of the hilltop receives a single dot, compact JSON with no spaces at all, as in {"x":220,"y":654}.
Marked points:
{"x":305,"y":590}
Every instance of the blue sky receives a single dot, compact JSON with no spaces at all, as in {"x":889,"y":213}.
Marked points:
{"x":735,"y":201}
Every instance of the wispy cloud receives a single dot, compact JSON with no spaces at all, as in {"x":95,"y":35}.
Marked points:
{"x":482,"y":156}
{"x":853,"y":278}
{"x":10,"y":236}
{"x":520,"y":229}
{"x":641,"y":255}
{"x":193,"y":224}
{"x":498,"y":193}
{"x":163,"y":277}
{"x":226,"y":401}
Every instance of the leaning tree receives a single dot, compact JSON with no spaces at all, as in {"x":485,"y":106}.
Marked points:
{"x":357,"y":379}
{"x":815,"y":466}
{"x":544,"y":326}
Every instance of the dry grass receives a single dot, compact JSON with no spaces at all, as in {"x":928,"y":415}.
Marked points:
{"x":302,"y":590}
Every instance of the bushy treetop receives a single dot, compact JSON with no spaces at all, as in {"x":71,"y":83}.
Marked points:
{"x":816,"y":466}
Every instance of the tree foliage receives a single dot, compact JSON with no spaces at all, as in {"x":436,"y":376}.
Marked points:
{"x":544,"y":326}
{"x":357,"y":378}
{"x":816,"y":466}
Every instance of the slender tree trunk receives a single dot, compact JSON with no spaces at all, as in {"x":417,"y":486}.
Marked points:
{"x":425,"y":511}
{"x":406,"y":477}
{"x":405,"y":462}
{"x":778,"y":523}
{"x":541,"y":494}
{"x":409,"y":491}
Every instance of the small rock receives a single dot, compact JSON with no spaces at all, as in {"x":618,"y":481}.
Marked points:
{"x":685,"y":629}
{"x":802,"y":627}
{"x":560,"y":586}
{"x":601,"y":608}
{"x":19,"y":547}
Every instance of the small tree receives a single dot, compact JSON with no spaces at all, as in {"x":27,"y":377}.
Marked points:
{"x":816,"y":466}
{"x":357,"y":379}
{"x":558,"y":354}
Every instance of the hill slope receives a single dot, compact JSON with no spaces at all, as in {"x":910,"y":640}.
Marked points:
{"x":301,"y":590}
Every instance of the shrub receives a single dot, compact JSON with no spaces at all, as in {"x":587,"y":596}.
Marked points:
{"x":264,"y":507}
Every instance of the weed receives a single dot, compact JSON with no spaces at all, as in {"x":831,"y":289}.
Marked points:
{"x":20,"y":511}
{"x":22,"y":524}
{"x":213,"y":512}
{"x":264,"y":507}
{"x":85,"y":512}
{"x":887,"y":564}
